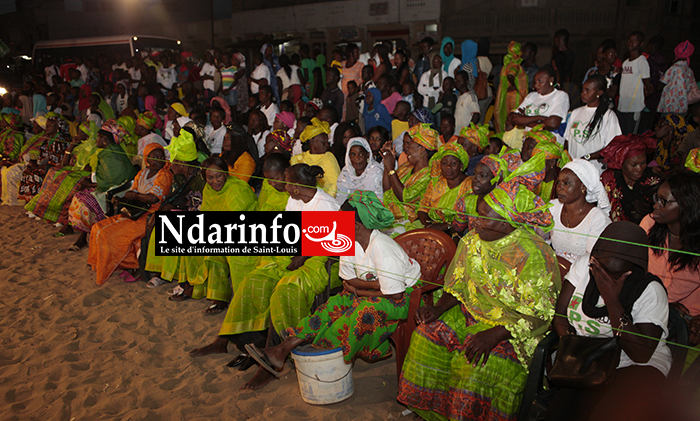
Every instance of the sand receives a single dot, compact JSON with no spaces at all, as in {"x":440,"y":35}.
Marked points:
{"x":72,"y":350}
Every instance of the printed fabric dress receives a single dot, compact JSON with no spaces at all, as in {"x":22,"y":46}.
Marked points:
{"x":511,"y":282}
{"x":630,"y":204}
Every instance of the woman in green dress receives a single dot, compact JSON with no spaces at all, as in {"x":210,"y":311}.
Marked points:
{"x":469,"y":355}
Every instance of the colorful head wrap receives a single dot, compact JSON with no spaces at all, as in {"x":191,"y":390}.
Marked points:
{"x":152,"y":147}
{"x":624,"y":147}
{"x":553,"y":150}
{"x":146,"y":120}
{"x":241,"y":59}
{"x":179,"y":108}
{"x":14,"y":121}
{"x":497,"y":165}
{"x":89,"y":128}
{"x":286,"y":118}
{"x":129,"y":125}
{"x":283,"y":138}
{"x":451,"y":149}
{"x":316,"y":103}
{"x":40,"y":120}
{"x":477,"y":134}
{"x":684,"y":50}
{"x":520,"y":206}
{"x":540,"y":135}
{"x":370,"y":209}
{"x":514,"y":54}
{"x":424,"y":135}
{"x":590,"y":177}
{"x":422,"y":115}
{"x":116,"y":130}
{"x":531,"y":173}
{"x":680,"y":127}
{"x":224,"y":106}
{"x":181,"y":147}
{"x":692,"y":162}
{"x":314,"y":129}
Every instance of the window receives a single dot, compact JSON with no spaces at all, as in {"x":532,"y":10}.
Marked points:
{"x":432,"y":27}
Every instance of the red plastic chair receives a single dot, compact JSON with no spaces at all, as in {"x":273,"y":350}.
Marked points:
{"x":433,"y":250}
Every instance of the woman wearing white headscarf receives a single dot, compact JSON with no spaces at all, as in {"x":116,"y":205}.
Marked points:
{"x":361,"y":171}
{"x":580,"y":211}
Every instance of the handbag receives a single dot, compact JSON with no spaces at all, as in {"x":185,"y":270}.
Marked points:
{"x":133,"y":209}
{"x":583,"y":362}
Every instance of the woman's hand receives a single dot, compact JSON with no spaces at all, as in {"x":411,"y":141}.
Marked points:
{"x":349,"y":287}
{"x":297,"y":262}
{"x":511,"y":83}
{"x":427,"y":314}
{"x":481,"y":344}
{"x":130,"y":195}
{"x":562,"y":326}
{"x":388,"y":156}
{"x":609,"y":287}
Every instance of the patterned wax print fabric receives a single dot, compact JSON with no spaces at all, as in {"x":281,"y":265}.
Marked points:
{"x":415,"y":185}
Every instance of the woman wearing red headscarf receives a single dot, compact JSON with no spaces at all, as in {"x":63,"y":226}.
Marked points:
{"x":678,"y":80}
{"x":630,"y":184}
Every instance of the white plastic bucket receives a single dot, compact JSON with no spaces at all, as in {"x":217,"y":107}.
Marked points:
{"x":324,"y":378}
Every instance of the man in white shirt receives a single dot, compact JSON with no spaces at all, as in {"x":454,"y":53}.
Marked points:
{"x":207,"y":74}
{"x":635,"y":85}
{"x":166,"y":75}
{"x":268,"y":107}
{"x":82,"y":68}
{"x":214,"y":133}
{"x":49,"y":72}
{"x":261,"y":74}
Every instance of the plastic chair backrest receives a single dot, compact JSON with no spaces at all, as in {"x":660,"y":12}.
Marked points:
{"x":432,"y":249}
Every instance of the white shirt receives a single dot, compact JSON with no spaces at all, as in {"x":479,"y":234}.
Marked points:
{"x":571,"y":243}
{"x":321,"y":201}
{"x":607,"y":129}
{"x":631,"y":85}
{"x":260,"y":141}
{"x":384,"y":261}
{"x":454,"y":65}
{"x":135,"y":74}
{"x":650,"y":307}
{"x":270,"y":112}
{"x":296,"y":149}
{"x":555,"y":103}
{"x":166,"y":76}
{"x":214,"y":138}
{"x":426,"y":87}
{"x":260,"y":72}
{"x":208,"y":69}
{"x":49,"y":73}
{"x":83,"y":71}
{"x":467,"y":105}
{"x":121,"y":102}
{"x":289,"y":81}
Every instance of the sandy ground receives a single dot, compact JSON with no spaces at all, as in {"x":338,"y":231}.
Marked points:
{"x":71,"y":350}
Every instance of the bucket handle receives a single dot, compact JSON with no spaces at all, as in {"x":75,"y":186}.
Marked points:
{"x":315,"y":377}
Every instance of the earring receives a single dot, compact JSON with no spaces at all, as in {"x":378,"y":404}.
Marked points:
{"x":551,"y":83}
{"x":296,"y":191}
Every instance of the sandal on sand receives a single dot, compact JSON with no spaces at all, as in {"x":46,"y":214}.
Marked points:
{"x":177,"y":290}
{"x":262,"y":359}
{"x":215,"y":308}
{"x":236,"y":362}
{"x":155,"y":282}
{"x":74,"y":248}
{"x":128,"y":277}
{"x":180,"y":294}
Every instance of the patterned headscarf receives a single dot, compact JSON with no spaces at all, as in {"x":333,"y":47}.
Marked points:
{"x":452,"y":149}
{"x":424,"y":135}
{"x":520,"y":206}
{"x":624,"y":147}
{"x":514,"y":55}
{"x":590,"y":177}
{"x":501,"y":165}
{"x":477,"y":134}
{"x":316,"y":103}
{"x":422,"y":115}
{"x":680,"y":127}
{"x":286,"y":118}
{"x":40,"y":120}
{"x":531,"y":173}
{"x":553,"y":150}
{"x":182,"y":147}
{"x":370,"y":209}
{"x":117,"y":131}
{"x":14,"y":121}
{"x":540,"y":135}
{"x":283,"y":138}
{"x":684,"y":50}
{"x":147,"y":120}
{"x":314,"y":129}
{"x":89,"y":128}
{"x":241,"y":60}
{"x":692,"y":162}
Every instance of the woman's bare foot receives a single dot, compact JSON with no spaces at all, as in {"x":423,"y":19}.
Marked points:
{"x":66,"y":230}
{"x":80,"y":243}
{"x":259,"y":380}
{"x":219,"y":346}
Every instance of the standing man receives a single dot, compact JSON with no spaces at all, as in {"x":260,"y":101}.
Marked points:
{"x":423,"y":64}
{"x":332,"y":96}
{"x":635,"y":85}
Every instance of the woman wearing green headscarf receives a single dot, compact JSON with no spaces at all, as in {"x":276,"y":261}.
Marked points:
{"x":52,"y":202}
{"x":12,"y":169}
{"x":448,"y":182}
{"x":377,"y":283}
{"x":513,"y":86}
{"x":11,"y":136}
{"x":472,"y":348}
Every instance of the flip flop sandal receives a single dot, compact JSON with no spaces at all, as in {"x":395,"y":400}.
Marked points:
{"x":127,"y":277}
{"x":177,"y":290}
{"x":238,"y":361}
{"x":262,"y":359}
{"x":155,"y":282}
{"x":214,"y":309}
{"x":179,"y":297}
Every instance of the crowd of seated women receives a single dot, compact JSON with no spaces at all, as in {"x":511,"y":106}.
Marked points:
{"x":536,"y":201}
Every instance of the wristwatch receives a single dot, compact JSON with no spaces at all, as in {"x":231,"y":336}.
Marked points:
{"x":587,"y":157}
{"x":392,"y":172}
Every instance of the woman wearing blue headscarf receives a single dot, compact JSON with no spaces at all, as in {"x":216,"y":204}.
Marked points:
{"x":469,"y":62}
{"x":450,"y":63}
{"x":272,"y":62}
{"x":375,"y":113}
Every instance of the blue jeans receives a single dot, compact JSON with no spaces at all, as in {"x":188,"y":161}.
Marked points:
{"x":232,"y":98}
